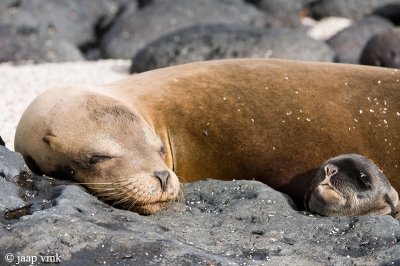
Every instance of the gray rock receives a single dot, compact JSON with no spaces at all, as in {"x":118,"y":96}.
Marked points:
{"x":221,"y":222}
{"x":72,"y":20}
{"x":10,"y":196}
{"x":287,"y":13}
{"x":208,"y":42}
{"x":22,"y":192}
{"x":349,"y":43}
{"x":390,"y":12}
{"x":18,"y":45}
{"x":12,"y":165}
{"x":383,"y":50}
{"x":134,"y":30}
{"x":355,"y":9}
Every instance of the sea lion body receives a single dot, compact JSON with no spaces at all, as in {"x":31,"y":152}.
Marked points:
{"x":274,"y":121}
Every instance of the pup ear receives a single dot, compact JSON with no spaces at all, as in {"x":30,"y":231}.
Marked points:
{"x":53,"y":142}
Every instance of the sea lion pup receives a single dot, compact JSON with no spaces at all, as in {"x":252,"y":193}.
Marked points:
{"x":268,"y":120}
{"x":351,"y":185}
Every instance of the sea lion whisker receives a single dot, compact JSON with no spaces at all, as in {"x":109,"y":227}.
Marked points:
{"x":121,"y":181}
{"x":121,"y":200}
{"x":123,"y":186}
{"x":92,"y":183}
{"x":133,"y":204}
{"x":116,"y":194}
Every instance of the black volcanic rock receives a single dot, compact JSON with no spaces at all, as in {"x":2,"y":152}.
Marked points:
{"x":390,"y":12}
{"x":19,"y":45}
{"x":383,"y":50}
{"x":287,"y":13}
{"x":135,"y":29}
{"x":75,"y":21}
{"x":349,"y":43}
{"x":217,"y":222}
{"x":209,"y":42}
{"x":355,"y":9}
{"x":221,"y":222}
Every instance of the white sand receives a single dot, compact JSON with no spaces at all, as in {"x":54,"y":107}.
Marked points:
{"x":19,"y":85}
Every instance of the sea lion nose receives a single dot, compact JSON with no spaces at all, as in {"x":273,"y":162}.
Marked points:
{"x":330,"y":170}
{"x":163,"y":177}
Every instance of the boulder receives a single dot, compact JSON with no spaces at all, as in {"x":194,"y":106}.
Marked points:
{"x":135,"y":29}
{"x":19,"y":45}
{"x":349,"y":43}
{"x":355,"y":9}
{"x":209,"y":42}
{"x":287,"y":13}
{"x":73,"y":20}
{"x":383,"y":50}
{"x":390,"y":12}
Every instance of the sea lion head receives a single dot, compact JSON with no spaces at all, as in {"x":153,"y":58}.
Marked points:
{"x":351,"y":185}
{"x":101,"y":142}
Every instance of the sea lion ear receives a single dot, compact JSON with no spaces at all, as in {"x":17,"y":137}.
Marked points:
{"x":52,"y":141}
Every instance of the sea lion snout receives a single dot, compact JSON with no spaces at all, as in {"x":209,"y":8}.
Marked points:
{"x":330,"y":170}
{"x":163,"y":177}
{"x":349,"y":185}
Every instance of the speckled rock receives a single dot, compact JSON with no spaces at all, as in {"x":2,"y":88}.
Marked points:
{"x":383,"y":50}
{"x":134,"y":30}
{"x":73,"y":20}
{"x":220,"y":222}
{"x":209,"y":42}
{"x":18,"y":45}
{"x":12,"y":165}
{"x":287,"y":13}
{"x":355,"y":9}
{"x":349,"y":43}
{"x":390,"y":12}
{"x":12,"y":168}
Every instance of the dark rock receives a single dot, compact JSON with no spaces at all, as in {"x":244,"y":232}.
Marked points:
{"x":22,"y":192}
{"x":2,"y":142}
{"x":210,"y":42}
{"x":349,"y":43}
{"x":390,"y":12}
{"x":286,"y":12}
{"x":355,"y":9}
{"x":219,"y":223}
{"x":72,"y":20}
{"x":11,"y":198}
{"x":12,"y":165}
{"x":134,"y":30}
{"x":18,"y":45}
{"x":383,"y":50}
{"x":237,"y":222}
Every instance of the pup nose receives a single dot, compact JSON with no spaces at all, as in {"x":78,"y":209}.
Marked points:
{"x":163,"y":177}
{"x":330,"y":170}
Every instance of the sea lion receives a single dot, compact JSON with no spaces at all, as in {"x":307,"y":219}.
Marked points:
{"x":270,"y":120}
{"x":351,"y":185}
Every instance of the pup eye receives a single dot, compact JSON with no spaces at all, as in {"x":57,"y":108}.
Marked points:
{"x":98,"y":158}
{"x":365,"y":180}
{"x":363,"y":176}
{"x":162,"y":151}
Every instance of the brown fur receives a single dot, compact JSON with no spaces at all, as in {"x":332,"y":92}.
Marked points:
{"x":270,"y":120}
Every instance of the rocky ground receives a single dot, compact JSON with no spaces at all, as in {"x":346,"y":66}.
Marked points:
{"x":217,"y":223}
